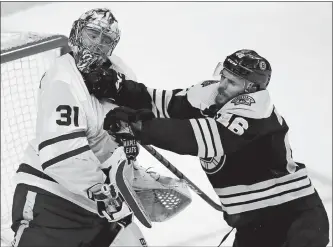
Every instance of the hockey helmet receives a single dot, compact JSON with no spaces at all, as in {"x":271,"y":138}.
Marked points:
{"x":87,"y":33}
{"x":248,"y":65}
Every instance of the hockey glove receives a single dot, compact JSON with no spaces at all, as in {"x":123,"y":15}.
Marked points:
{"x":103,"y":81}
{"x":133,"y":94}
{"x":125,"y":122}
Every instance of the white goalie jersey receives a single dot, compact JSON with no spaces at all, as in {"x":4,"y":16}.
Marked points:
{"x":71,"y":148}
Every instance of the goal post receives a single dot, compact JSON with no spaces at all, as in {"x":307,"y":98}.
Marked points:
{"x":24,"y":59}
{"x":33,"y":47}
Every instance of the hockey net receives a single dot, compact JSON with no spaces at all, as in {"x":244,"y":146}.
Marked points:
{"x":24,"y":59}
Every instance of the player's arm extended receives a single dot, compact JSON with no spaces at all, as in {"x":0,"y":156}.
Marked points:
{"x":64,"y":149}
{"x":163,"y":103}
{"x":207,"y":137}
{"x":202,"y":137}
{"x":125,"y":90}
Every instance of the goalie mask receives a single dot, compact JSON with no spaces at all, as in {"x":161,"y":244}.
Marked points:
{"x":93,"y":38}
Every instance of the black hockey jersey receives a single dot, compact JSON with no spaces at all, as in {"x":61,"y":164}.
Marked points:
{"x":243,"y":147}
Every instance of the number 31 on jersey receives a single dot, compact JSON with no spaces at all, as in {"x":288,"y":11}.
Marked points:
{"x":66,"y":117}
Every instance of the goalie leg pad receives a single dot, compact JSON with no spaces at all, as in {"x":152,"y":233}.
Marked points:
{"x":130,"y":235}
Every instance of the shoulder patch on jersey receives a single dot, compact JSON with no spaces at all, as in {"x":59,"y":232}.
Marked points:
{"x":207,"y":83}
{"x":243,"y":99}
{"x":256,"y":105}
{"x":143,"y":242}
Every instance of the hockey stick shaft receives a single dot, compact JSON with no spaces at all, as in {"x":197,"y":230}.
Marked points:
{"x":180,"y":175}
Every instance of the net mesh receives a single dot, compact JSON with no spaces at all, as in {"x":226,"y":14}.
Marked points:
{"x":19,"y":83}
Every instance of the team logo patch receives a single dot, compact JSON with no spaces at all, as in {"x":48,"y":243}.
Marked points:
{"x":262,"y":65}
{"x":212,"y":165}
{"x":243,"y":100}
{"x":143,"y":242}
{"x":130,"y":148}
{"x":207,"y":83}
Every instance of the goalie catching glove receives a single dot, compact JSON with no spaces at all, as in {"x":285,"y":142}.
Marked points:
{"x":162,"y":197}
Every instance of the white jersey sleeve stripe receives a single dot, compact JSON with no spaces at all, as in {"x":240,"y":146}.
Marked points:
{"x":160,"y":102}
{"x":168,"y":96}
{"x":201,"y":142}
{"x":61,"y":138}
{"x":152,"y":93}
{"x":65,"y":156}
{"x":243,"y":198}
{"x":155,"y":104}
{"x":266,"y":193}
{"x":212,"y":136}
{"x":216,"y":137}
{"x":163,"y":104}
{"x":237,"y":189}
{"x":207,"y":134}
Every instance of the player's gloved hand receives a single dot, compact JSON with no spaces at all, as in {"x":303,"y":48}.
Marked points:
{"x":109,"y":204}
{"x":132,"y":94}
{"x":103,"y":81}
{"x":126,"y":122}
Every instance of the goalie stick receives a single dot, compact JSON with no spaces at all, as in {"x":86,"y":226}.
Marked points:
{"x":180,"y":175}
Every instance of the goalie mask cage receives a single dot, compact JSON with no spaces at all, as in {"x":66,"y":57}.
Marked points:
{"x":24,"y":59}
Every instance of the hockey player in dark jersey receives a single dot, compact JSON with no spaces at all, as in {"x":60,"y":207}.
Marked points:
{"x":242,"y":142}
